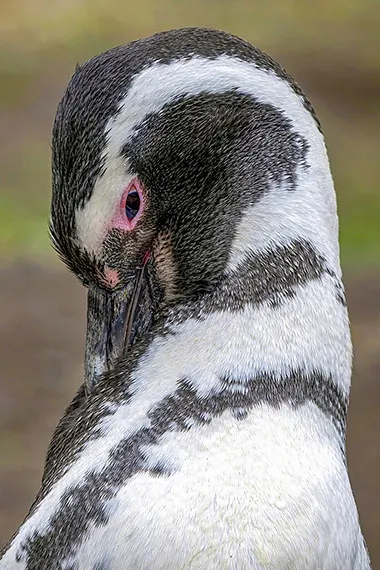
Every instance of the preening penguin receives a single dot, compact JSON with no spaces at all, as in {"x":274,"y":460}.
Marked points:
{"x":192,"y":195}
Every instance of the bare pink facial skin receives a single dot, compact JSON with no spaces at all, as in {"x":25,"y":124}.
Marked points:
{"x":111,"y":277}
{"x":120,"y":221}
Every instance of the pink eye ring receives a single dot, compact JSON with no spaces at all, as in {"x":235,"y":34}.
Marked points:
{"x":132,"y":204}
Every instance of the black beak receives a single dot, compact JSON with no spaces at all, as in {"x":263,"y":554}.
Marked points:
{"x":112,"y":324}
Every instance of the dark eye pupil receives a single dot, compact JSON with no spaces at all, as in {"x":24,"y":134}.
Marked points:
{"x":132,"y":204}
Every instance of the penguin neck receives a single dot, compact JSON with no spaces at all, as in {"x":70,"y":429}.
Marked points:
{"x":280,"y":314}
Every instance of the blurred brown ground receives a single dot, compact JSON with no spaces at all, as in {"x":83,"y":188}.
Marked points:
{"x":332,"y":49}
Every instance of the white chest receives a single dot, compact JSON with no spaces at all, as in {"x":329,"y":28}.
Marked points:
{"x":267,"y":492}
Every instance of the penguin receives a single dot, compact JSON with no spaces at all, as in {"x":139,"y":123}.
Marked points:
{"x":192,"y":196}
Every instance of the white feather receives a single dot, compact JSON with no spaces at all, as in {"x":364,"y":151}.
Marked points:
{"x":308,"y":331}
{"x":160,"y":84}
{"x":268,"y":492}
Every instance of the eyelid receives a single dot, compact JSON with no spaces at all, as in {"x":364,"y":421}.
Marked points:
{"x":133,"y":186}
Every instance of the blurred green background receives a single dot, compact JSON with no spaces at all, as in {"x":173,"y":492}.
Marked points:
{"x":332,"y":48}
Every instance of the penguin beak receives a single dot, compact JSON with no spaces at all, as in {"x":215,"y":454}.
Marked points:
{"x":113,"y":320}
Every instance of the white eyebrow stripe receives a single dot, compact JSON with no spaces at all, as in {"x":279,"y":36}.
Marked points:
{"x":159,"y":85}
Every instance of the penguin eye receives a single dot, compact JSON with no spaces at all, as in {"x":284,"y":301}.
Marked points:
{"x":132,"y":204}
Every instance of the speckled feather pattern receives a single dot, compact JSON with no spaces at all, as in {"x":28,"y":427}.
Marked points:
{"x":218,"y":440}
